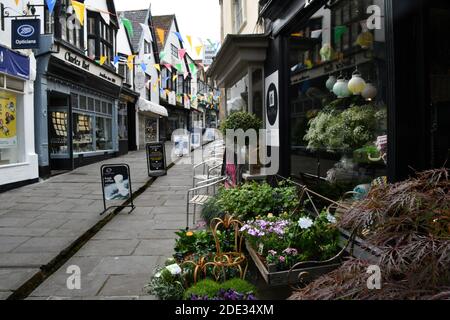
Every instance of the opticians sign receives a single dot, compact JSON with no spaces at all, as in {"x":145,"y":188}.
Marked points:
{"x":25,"y":33}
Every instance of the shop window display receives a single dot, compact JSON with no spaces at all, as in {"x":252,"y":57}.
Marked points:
{"x":103,"y":130}
{"x":338,"y":112}
{"x":83,"y":134}
{"x":9,"y":149}
{"x":58,"y":133}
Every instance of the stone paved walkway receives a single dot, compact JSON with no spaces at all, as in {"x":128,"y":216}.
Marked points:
{"x":39,"y":221}
{"x":117,"y":262}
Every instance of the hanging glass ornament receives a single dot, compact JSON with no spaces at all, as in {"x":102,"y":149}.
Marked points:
{"x":330,"y":83}
{"x":340,"y":89}
{"x":370,"y":92}
{"x":357,"y":84}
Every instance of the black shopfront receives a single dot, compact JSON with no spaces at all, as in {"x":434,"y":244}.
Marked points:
{"x":363,"y":87}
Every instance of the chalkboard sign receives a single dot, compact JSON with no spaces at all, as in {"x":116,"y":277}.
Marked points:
{"x":116,"y":185}
{"x":156,"y":159}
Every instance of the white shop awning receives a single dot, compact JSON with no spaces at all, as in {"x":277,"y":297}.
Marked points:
{"x":148,"y":106}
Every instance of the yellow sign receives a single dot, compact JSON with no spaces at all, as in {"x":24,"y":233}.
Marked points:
{"x":8,"y":121}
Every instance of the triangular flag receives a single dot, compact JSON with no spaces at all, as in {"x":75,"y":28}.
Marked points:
{"x":189,"y":39}
{"x":339,"y":32}
{"x":50,"y":5}
{"x":185,"y":75}
{"x":103,"y":60}
{"x":79,"y":9}
{"x":155,"y":86}
{"x":168,"y":66}
{"x":174,"y":77}
{"x":143,"y":67}
{"x":157,"y":67}
{"x":193,"y":68}
{"x":130,"y":61}
{"x":179,"y":67}
{"x":161,"y":34}
{"x":179,"y":36}
{"x":128,"y":26}
{"x":116,"y":60}
{"x":162,"y":55}
{"x":181,"y":53}
{"x":199,"y":49}
{"x":17,"y":2}
{"x":146,"y":30}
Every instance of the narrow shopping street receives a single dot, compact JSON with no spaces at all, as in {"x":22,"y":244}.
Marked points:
{"x":40,"y":221}
{"x":119,"y":260}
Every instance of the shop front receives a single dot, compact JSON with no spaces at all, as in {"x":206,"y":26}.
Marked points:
{"x":150,"y":117}
{"x":357,"y":89}
{"x":18,"y":160}
{"x":79,"y":117}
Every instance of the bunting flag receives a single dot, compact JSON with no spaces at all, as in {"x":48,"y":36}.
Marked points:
{"x":185,"y":75}
{"x":130,"y":61}
{"x":161,"y":34}
{"x":103,"y":60}
{"x":339,"y":32}
{"x":79,"y":9}
{"x":50,"y":5}
{"x":155,"y":86}
{"x":181,"y":53}
{"x":168,"y":66}
{"x":17,"y":2}
{"x":143,"y":67}
{"x":199,"y":49}
{"x":174,"y":77}
{"x":157,"y":67}
{"x":189,"y":39}
{"x":179,"y":67}
{"x":146,"y":30}
{"x":162,"y":55}
{"x":179,"y":36}
{"x":128,"y":26}
{"x":116,"y":60}
{"x":193,"y":68}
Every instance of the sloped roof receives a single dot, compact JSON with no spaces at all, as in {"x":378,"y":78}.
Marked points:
{"x":136,"y":17}
{"x":162,"y":22}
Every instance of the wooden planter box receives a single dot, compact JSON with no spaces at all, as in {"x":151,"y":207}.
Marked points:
{"x":359,"y":249}
{"x":280,"y":278}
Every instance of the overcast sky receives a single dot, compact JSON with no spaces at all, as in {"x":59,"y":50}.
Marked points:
{"x":197,"y":18}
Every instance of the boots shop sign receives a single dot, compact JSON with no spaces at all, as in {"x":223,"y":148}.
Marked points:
{"x":87,"y":66}
{"x":25,"y":33}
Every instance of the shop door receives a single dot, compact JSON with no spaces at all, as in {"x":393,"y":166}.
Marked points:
{"x":60,"y":140}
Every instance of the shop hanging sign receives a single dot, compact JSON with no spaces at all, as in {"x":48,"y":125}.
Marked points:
{"x":156,"y":159}
{"x":8,"y":120}
{"x":14,"y":64}
{"x":116,"y":185}
{"x":25,"y":33}
{"x":272,"y":110}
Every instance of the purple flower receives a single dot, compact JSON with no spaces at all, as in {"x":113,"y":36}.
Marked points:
{"x":272,"y":252}
{"x":282,"y":259}
{"x":291,"y":251}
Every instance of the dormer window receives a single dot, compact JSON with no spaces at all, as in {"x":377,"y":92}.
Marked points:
{"x":174,"y":51}
{"x":147,"y":47}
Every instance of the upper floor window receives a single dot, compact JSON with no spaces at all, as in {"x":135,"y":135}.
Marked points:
{"x":101,"y":38}
{"x":125,"y":72}
{"x":147,"y":47}
{"x":180,"y":84}
{"x":238,"y":10}
{"x":174,"y":50}
{"x":69,"y":28}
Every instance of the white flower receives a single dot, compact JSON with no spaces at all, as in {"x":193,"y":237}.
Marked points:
{"x":331,"y":218}
{"x":305,"y":223}
{"x":158,"y":275}
{"x":174,"y":269}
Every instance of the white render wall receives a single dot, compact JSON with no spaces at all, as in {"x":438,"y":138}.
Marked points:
{"x":27,"y":168}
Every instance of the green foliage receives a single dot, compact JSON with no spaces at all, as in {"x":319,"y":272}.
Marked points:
{"x":198,"y":242}
{"x":165,"y":285}
{"x":241,"y":120}
{"x":252,"y":199}
{"x":239,"y":285}
{"x":336,"y":130}
{"x":211,"y":210}
{"x":203,"y":288}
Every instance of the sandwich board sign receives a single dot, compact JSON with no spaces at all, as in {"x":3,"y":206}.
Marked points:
{"x":116,"y":186}
{"x":156,"y":159}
